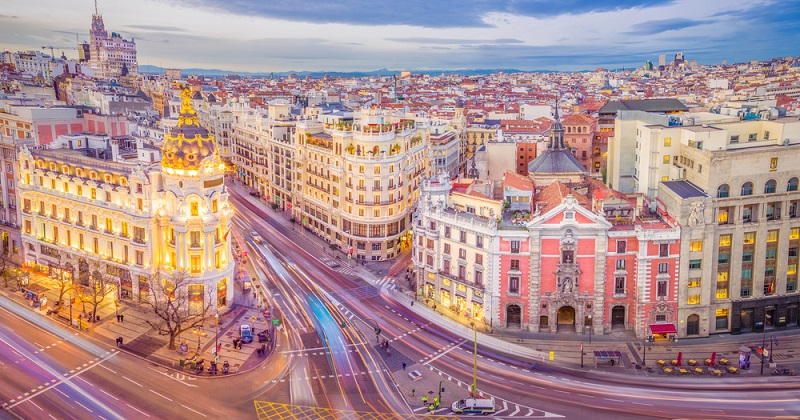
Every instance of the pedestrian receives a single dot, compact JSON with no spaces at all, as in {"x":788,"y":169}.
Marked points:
{"x":235,"y":343}
{"x":121,"y":318}
{"x":431,"y":408}
{"x":436,"y":401}
{"x":118,"y":318}
{"x":413,"y":390}
{"x":424,"y":400}
{"x":404,"y":365}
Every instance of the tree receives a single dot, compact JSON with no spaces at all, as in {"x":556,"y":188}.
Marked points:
{"x":95,"y":292}
{"x":5,"y":260}
{"x":171,"y":300}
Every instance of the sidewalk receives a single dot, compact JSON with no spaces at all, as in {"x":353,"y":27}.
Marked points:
{"x":140,"y":339}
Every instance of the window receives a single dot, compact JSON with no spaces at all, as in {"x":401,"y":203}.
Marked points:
{"x":724,"y":259}
{"x":663,"y":268}
{"x":620,"y":264}
{"x":515,"y":247}
{"x":478,"y":258}
{"x":667,"y":141}
{"x":694,"y":282}
{"x":108,"y":196}
{"x":752,"y":137}
{"x":447,"y":231}
{"x":462,"y":236}
{"x":794,"y":233}
{"x":724,"y":240}
{"x":666,"y":159}
{"x":770,"y":186}
{"x":462,"y":253}
{"x":447,"y":249}
{"x":722,"y":285}
{"x":734,"y":139}
{"x":619,"y":285}
{"x":462,"y":271}
{"x":514,"y":265}
{"x":478,"y":277}
{"x":139,"y":257}
{"x":723,"y":191}
{"x":661,"y":288}
{"x":791,"y":269}
{"x":696,"y":245}
{"x":772,"y":236}
{"x":722,"y":217}
{"x":621,"y":246}
{"x":793,"y":252}
{"x":194,"y":208}
{"x":693,"y":300}
{"x":766,"y":135}
{"x":663,"y":250}
{"x":747,"y":257}
{"x":749,"y":238}
{"x":94,"y":193}
{"x":772,"y":253}
{"x":446,"y":266}
{"x":478,"y":241}
{"x":213,"y":206}
{"x":513,"y":284}
{"x":376,"y":246}
{"x":695,"y":264}
{"x":747,"y":188}
{"x":195,"y":264}
{"x":722,"y":318}
{"x":792,"y":184}
{"x":109,"y":224}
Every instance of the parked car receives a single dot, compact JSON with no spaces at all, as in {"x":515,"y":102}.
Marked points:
{"x":256,"y":237}
{"x":246,"y":334}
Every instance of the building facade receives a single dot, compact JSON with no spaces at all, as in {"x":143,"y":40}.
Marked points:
{"x":130,"y":215}
{"x":111,"y":57}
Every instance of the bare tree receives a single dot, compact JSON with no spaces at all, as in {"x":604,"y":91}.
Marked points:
{"x":172,"y":302}
{"x":64,"y":283}
{"x":5,"y":260}
{"x":96,"y":291}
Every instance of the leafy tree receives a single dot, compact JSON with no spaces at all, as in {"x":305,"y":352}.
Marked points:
{"x":170,"y":302}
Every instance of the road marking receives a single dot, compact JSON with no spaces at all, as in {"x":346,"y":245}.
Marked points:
{"x":191,"y":409}
{"x":131,"y":380}
{"x":166,"y":398}
{"x":563,"y":392}
{"x":634,"y":402}
{"x":101,"y":390}
{"x":108,"y":369}
{"x":85,"y":407}
{"x":611,"y":399}
{"x":445,"y":352}
{"x":37,"y":405}
{"x":87,"y":382}
{"x":138,"y":410}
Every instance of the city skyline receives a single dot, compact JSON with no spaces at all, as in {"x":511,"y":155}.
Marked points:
{"x":476,"y":35}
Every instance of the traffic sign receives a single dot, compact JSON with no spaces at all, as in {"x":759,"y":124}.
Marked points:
{"x":276,"y":321}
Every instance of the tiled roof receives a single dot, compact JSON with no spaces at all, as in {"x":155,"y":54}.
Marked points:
{"x":516,"y":181}
{"x":553,"y":194}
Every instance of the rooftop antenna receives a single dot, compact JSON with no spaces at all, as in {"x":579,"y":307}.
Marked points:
{"x":96,"y":13}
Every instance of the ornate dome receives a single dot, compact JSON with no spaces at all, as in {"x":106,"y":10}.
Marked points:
{"x":187,"y":145}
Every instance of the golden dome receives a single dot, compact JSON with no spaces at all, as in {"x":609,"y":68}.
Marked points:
{"x":188,"y":144}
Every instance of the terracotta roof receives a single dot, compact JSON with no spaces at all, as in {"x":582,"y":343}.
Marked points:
{"x":517,"y":181}
{"x":577,"y":119}
{"x":553,"y":194}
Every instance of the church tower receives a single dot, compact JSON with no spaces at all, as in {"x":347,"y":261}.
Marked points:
{"x":196,"y":216}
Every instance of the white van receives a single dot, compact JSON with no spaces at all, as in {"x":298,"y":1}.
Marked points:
{"x":474,"y":405}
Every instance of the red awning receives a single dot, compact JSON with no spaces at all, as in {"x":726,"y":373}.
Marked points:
{"x":663,"y":329}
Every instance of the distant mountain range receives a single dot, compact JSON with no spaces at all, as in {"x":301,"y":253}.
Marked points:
{"x":318,"y":74}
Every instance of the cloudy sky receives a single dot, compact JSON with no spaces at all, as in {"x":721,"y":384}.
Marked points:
{"x":358,"y":35}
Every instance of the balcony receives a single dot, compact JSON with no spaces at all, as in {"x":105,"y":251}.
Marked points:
{"x":138,"y":240}
{"x":26,"y":210}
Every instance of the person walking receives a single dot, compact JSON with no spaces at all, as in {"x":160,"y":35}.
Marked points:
{"x":424,"y":400}
{"x":404,"y":365}
{"x":121,"y":318}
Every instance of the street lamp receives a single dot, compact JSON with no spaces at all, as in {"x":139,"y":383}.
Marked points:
{"x":474,"y":361}
{"x":590,"y":329}
{"x":644,"y":357}
{"x":764,"y":341}
{"x":216,"y":339}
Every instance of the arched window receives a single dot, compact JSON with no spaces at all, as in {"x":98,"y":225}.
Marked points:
{"x":792,"y":184}
{"x":747,"y":188}
{"x":723,"y":191}
{"x":770,"y":186}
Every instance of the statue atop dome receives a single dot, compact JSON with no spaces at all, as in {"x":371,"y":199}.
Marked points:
{"x":188,"y":146}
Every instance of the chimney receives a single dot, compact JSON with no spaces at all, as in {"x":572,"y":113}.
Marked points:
{"x":115,"y":150}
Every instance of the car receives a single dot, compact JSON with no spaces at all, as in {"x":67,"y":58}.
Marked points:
{"x":246,"y":334}
{"x":256,"y":237}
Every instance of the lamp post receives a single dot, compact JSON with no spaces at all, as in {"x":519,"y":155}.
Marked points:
{"x":644,"y":357}
{"x":591,"y":324}
{"x":216,"y":338}
{"x":763,"y":340}
{"x":474,"y":361}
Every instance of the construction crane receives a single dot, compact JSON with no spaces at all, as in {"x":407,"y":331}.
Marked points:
{"x":52,"y":55}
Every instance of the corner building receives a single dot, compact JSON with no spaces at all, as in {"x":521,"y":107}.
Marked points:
{"x":131,"y":215}
{"x":361,"y":181}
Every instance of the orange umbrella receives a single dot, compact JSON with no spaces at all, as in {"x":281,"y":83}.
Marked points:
{"x":680,"y":356}
{"x":713,"y":358}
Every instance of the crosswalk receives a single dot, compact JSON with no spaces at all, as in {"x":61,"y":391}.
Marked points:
{"x":339,"y":265}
